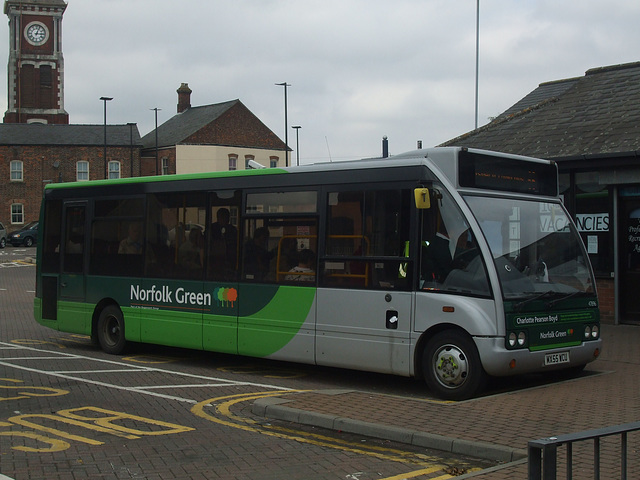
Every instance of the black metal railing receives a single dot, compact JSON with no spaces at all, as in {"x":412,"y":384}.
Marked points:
{"x":543,"y":453}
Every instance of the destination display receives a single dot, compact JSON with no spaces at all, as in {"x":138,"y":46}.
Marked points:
{"x":476,"y":170}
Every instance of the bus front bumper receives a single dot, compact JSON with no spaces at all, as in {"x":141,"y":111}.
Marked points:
{"x":500,"y":362}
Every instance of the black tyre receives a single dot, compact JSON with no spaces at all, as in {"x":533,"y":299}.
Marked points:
{"x":28,"y":242}
{"x":111,"y":330}
{"x":451,"y":366}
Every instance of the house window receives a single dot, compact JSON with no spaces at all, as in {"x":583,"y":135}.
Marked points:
{"x":16,"y":171}
{"x":17,"y":213}
{"x":273,"y":162}
{"x":165,"y":165}
{"x":247,"y":159}
{"x":114,"y":169}
{"x":233,"y":162}
{"x":82,"y":171}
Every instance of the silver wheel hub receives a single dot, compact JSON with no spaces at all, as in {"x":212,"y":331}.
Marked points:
{"x":450,"y":366}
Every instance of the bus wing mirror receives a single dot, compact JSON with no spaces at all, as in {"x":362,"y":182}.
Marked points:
{"x":422,"y":197}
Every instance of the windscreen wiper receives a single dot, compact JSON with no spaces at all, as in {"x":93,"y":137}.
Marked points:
{"x":553,"y":303}
{"x":519,"y":305}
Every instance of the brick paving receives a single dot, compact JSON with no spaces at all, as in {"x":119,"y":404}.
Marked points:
{"x":606,"y":394}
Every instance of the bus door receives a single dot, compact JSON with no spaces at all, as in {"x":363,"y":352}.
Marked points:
{"x":365,"y":300}
{"x":71,"y":307}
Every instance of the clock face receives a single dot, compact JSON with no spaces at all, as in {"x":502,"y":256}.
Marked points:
{"x":36,"y":33}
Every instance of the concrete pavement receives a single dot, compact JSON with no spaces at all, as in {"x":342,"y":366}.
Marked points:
{"x":497,"y":426}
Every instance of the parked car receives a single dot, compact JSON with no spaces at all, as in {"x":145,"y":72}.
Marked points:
{"x":3,"y":236}
{"x":26,"y":236}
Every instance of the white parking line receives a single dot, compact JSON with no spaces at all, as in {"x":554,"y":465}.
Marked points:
{"x":143,"y":389}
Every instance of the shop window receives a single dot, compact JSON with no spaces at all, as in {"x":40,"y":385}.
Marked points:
{"x":592,"y":217}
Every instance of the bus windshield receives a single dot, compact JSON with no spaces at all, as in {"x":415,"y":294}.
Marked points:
{"x":533,"y":258}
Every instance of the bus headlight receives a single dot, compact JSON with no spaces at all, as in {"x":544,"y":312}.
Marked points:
{"x":587,"y":332}
{"x":522,"y":338}
{"x":595,"y":331}
{"x":518,"y":339}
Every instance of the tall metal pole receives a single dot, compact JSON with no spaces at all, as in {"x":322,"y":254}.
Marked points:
{"x":286,"y":124}
{"x":477,"y":54}
{"x":297,"y":127}
{"x":104,"y":153}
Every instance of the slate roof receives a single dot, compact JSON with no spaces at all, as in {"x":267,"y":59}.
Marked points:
{"x":67,"y":135}
{"x":181,"y":126}
{"x":594,"y":115}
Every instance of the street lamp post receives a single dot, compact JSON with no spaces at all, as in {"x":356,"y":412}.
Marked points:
{"x":477,"y":54}
{"x":106,"y":169}
{"x":286,"y":125}
{"x":297,"y":128}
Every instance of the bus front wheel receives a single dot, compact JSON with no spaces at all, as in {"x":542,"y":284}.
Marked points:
{"x":451,"y":366}
{"x":111,"y":330}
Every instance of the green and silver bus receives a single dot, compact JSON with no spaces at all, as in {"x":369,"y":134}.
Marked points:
{"x":447,"y":264}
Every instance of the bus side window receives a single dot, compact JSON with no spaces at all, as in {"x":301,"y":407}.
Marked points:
{"x":171,"y":250}
{"x":367,"y":240}
{"x":51,"y":243}
{"x":450,"y":259}
{"x":278,"y":227}
{"x":223,"y":242}
{"x":74,"y":240}
{"x":116,"y":242}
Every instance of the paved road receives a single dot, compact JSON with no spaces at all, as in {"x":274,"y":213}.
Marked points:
{"x":67,"y":410}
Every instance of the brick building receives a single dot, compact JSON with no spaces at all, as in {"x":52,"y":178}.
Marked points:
{"x":590,"y":126}
{"x":39,"y":146}
{"x":218,"y":137}
{"x":32,"y":155}
{"x":36,"y":65}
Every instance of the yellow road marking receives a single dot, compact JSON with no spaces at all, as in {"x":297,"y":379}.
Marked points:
{"x":26,"y":393}
{"x":222,"y":406}
{"x":26,"y":341}
{"x":151,"y":359}
{"x":418,"y":473}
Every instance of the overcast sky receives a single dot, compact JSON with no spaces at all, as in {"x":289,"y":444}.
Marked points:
{"x":358,"y":69}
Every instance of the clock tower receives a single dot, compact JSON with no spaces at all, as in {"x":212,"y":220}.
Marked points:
{"x":36,"y":66}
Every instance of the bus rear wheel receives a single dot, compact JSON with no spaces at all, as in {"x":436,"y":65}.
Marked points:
{"x":451,"y":366}
{"x":111,"y":330}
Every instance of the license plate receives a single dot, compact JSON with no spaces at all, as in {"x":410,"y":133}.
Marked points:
{"x":556,"y":358}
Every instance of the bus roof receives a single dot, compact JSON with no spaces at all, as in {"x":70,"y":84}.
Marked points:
{"x":440,"y":156}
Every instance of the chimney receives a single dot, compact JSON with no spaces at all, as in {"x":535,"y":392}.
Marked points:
{"x":184,"y":97}
{"x":385,"y":147}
